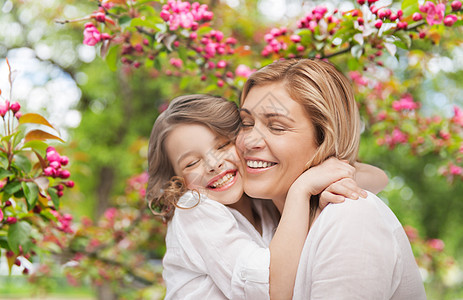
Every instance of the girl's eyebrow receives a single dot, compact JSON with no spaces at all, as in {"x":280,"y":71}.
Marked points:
{"x":183,"y":156}
{"x":244,"y":110}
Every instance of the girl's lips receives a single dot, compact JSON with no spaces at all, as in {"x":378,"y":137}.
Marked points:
{"x":229,"y":182}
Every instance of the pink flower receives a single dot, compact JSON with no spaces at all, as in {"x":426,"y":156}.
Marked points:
{"x":435,"y":13}
{"x":230,"y":41}
{"x":450,"y":20}
{"x":458,"y":115}
{"x":15,"y":107}
{"x":1,"y":214}
{"x":91,"y":36}
{"x":411,"y":232}
{"x":53,"y":156}
{"x":243,"y":71}
{"x":295,"y":38}
{"x":436,"y":244}
{"x":4,"y":107}
{"x":455,"y":170}
{"x":378,"y":24}
{"x":221,"y":64}
{"x":398,"y":136}
{"x":406,"y":103}
{"x":176,"y":62}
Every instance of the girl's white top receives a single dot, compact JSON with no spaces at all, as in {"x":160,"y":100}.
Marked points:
{"x":358,"y":250}
{"x":213,"y":252}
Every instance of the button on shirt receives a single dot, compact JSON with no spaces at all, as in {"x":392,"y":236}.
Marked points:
{"x":213,"y":252}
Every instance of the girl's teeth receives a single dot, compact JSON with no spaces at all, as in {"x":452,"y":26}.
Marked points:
{"x":222,"y":181}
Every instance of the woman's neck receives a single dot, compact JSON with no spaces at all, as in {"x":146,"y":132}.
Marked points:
{"x":244,"y":206}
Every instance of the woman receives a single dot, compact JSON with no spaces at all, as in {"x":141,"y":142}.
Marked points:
{"x":297,"y":111}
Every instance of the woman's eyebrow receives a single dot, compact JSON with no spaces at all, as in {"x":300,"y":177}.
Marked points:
{"x":278,"y":115}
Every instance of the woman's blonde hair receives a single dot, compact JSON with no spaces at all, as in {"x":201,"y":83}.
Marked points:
{"x":328,"y":98}
{"x":218,"y":114}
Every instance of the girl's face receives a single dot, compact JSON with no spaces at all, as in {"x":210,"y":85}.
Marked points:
{"x":209,"y":163}
{"x":276,"y":141}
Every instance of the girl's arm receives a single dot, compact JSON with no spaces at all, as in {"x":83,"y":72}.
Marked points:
{"x":286,"y":246}
{"x":370,"y":177}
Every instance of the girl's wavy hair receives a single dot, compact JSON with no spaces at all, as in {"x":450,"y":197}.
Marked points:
{"x":164,"y":187}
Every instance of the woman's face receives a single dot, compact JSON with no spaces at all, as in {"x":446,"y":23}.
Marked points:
{"x":208,"y":162}
{"x":276,"y":141}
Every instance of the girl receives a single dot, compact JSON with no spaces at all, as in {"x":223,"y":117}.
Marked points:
{"x":216,"y":251}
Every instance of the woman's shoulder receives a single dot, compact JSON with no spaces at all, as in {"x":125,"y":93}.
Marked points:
{"x":369,"y":211}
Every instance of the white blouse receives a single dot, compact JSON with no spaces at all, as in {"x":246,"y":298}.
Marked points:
{"x":213,"y":252}
{"x":358,"y":250}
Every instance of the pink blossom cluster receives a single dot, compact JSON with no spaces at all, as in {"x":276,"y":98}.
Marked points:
{"x":54,"y":169}
{"x":435,"y":13}
{"x":396,"y":137}
{"x":185,"y":15}
{"x":405,"y":103}
{"x":138,"y":183}
{"x":213,"y":44}
{"x":457,"y":116}
{"x":311,"y":19}
{"x":274,"y":45}
{"x":358,"y":78}
{"x":92,"y":35}
{"x":13,"y":107}
{"x":244,"y":71}
{"x":64,"y":221}
{"x":436,"y":244}
{"x":386,"y":14}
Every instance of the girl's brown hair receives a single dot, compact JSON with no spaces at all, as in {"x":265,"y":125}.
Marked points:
{"x":328,"y":98}
{"x":218,"y":114}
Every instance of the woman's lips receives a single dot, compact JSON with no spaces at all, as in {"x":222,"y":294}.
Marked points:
{"x":223,"y":181}
{"x":254,"y":166}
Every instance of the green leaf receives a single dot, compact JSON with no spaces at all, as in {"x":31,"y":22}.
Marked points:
{"x":31,"y":192}
{"x":157,"y":64}
{"x":405,"y":38}
{"x":12,"y":187}
{"x":409,"y":7}
{"x":4,"y":173}
{"x":37,"y":145}
{"x":143,"y":23}
{"x":124,"y":21}
{"x":112,"y":57}
{"x":23,"y":163}
{"x":54,"y":197}
{"x":182,"y":53}
{"x":18,"y":234}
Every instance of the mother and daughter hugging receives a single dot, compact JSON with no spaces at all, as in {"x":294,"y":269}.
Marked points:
{"x":268,"y":202}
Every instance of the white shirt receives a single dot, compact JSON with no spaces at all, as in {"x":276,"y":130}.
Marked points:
{"x":213,"y":252}
{"x":358,"y":250}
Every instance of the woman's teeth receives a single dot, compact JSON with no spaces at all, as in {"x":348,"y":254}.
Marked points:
{"x":259,"y":164}
{"x":223,"y":181}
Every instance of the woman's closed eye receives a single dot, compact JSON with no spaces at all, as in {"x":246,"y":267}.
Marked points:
{"x":277,"y":127}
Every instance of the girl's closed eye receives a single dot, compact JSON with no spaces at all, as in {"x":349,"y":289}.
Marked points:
{"x":191,"y":164}
{"x":224,"y":145}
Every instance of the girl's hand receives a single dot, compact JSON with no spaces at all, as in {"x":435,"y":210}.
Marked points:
{"x":339,"y":190}
{"x":333,"y":179}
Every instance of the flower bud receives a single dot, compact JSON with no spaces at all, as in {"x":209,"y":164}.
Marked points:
{"x":69,"y":184}
{"x":450,"y":20}
{"x":11,"y":220}
{"x":64,"y":160}
{"x":64,"y":174}
{"x":417,"y":17}
{"x":55,"y":165}
{"x":53,"y":156}
{"x":18,"y":115}
{"x":402,"y":25}
{"x":60,"y":193}
{"x":7,"y":203}
{"x":378,"y":24}
{"x":220,"y":83}
{"x":100,"y":17}
{"x":295,"y":38}
{"x":221,"y":64}
{"x":48,"y":171}
{"x":17,"y":262}
{"x":15,"y":106}
{"x":456,"y":5}
{"x":361,"y":2}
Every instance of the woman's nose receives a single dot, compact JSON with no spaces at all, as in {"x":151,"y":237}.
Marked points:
{"x":251,"y":139}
